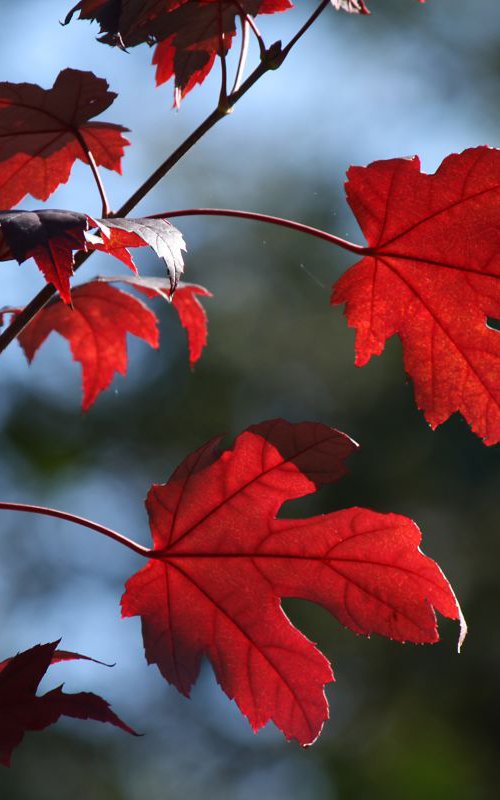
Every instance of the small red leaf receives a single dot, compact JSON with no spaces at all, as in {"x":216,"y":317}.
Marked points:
{"x":43,"y":132}
{"x":432,"y":276}
{"x":223,"y":561}
{"x":96,"y":329}
{"x":192,"y":315}
{"x":20,"y":708}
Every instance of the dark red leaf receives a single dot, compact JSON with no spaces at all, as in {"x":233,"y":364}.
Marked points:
{"x":48,"y":236}
{"x":21,"y":710}
{"x":433,"y":278}
{"x":223,"y":562}
{"x":119,"y":19}
{"x":62,"y":655}
{"x":96,"y":329}
{"x":43,"y":132}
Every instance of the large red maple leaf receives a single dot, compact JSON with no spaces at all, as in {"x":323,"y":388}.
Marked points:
{"x":43,"y":132}
{"x":222,"y":562}
{"x":432,"y":276}
{"x":21,"y":710}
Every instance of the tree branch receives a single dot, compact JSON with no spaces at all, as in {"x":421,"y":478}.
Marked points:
{"x":273,"y":58}
{"x":305,"y":27}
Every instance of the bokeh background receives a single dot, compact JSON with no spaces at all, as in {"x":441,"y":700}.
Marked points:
{"x":406,"y":722}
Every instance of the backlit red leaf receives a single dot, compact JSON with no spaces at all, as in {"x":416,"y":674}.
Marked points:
{"x":43,"y":132}
{"x":192,"y":315}
{"x":223,"y":562}
{"x":432,"y":276}
{"x":96,"y":329}
{"x":20,"y":708}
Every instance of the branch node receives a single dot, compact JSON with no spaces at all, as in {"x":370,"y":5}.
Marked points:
{"x":274,"y":56}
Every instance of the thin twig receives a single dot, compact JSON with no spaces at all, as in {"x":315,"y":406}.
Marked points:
{"x":274,"y":57}
{"x":87,"y":523}
{"x":106,"y":210}
{"x":245,"y":40}
{"x":284,"y":223}
{"x":305,"y":27}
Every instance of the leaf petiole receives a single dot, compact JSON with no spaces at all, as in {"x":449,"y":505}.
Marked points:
{"x":106,"y":211}
{"x":318,"y":233}
{"x":86,"y":523}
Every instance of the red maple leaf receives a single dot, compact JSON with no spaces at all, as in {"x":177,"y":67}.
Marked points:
{"x":96,"y":329}
{"x":43,"y":132}
{"x":223,"y":561}
{"x":192,"y":315}
{"x":21,"y":710}
{"x":432,"y":276}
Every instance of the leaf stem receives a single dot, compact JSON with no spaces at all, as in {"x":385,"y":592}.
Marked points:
{"x":272,"y":59}
{"x":245,"y":40}
{"x":106,"y":210}
{"x":284,"y":223}
{"x":223,"y":98}
{"x":251,"y":22}
{"x":87,"y":523}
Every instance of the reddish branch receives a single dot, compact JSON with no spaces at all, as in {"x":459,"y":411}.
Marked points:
{"x":271,"y":60}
